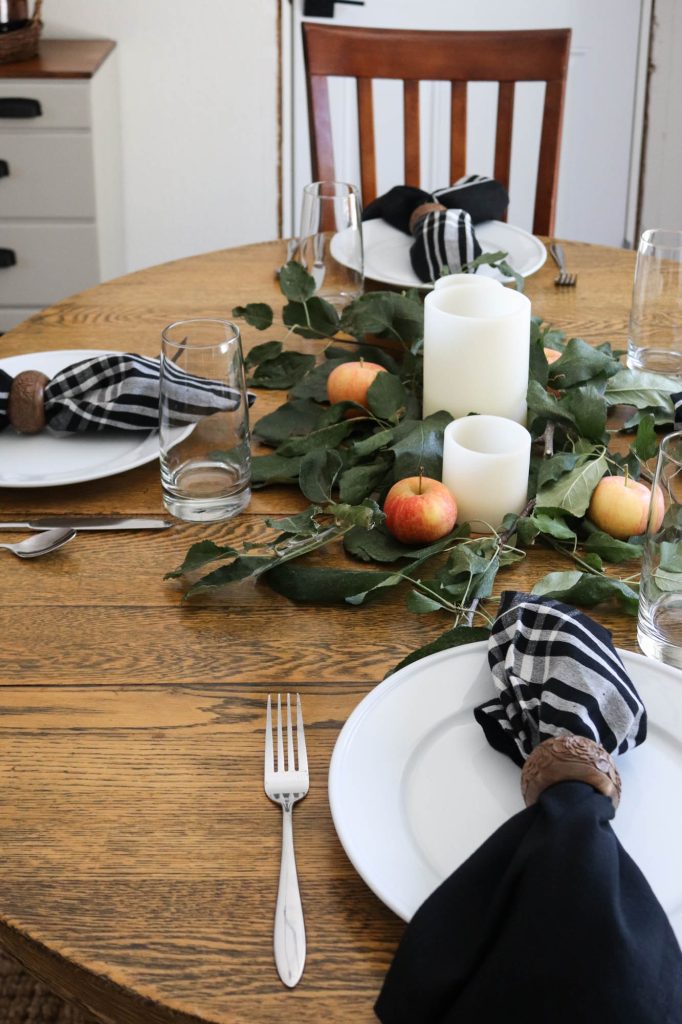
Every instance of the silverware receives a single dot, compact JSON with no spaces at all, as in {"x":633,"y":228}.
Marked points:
{"x":285,"y":785}
{"x":34,"y":547}
{"x":88,"y":523}
{"x":563,"y":278}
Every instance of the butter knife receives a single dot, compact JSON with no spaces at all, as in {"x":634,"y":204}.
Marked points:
{"x":89,"y":523}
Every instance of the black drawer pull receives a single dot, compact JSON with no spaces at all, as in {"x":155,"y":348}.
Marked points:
{"x":19,"y":106}
{"x":8,"y":258}
{"x":4,"y":169}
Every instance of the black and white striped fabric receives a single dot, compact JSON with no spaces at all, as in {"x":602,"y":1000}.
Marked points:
{"x":444,"y":244}
{"x":556,"y":673}
{"x":482,"y":197}
{"x":120,"y":391}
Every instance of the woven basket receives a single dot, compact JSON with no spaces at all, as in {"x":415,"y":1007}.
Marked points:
{"x":23,"y":42}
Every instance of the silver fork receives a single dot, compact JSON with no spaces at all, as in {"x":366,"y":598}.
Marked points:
{"x":563,"y":278}
{"x":286,"y":785}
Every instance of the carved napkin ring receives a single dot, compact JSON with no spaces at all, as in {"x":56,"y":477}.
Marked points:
{"x":26,"y":405}
{"x":570,"y":758}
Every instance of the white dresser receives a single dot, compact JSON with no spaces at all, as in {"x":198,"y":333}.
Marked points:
{"x":61,"y":218}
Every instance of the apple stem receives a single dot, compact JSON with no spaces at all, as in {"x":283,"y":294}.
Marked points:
{"x":362,"y":361}
{"x":421,"y":474}
{"x":627,"y":477}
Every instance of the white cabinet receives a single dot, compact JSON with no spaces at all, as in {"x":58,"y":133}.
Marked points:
{"x":60,"y":176}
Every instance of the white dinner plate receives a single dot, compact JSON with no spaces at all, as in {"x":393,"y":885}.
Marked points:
{"x":50,"y":459}
{"x":387,"y":251}
{"x":415,"y":787}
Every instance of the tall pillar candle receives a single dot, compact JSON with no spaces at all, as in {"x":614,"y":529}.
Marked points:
{"x":476,"y":351}
{"x":485,"y":467}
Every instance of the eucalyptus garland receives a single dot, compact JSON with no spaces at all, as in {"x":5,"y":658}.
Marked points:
{"x":345,"y":466}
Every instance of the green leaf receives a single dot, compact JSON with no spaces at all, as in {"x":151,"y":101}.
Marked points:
{"x":583,"y":588}
{"x":322,"y":586}
{"x":318,"y":473}
{"x":671,"y":555}
{"x":314,"y":384}
{"x":552,"y":469}
{"x":315,"y":318}
{"x":240,"y":569}
{"x":553,"y":527}
{"x":282,"y":371}
{"x":645,"y":445}
{"x":304,"y":524}
{"x":261,"y":353}
{"x":421,"y":604}
{"x":359,"y":482}
{"x":579,"y":363}
{"x":200,"y":555}
{"x":326,"y":437}
{"x":371,"y":444}
{"x":587,"y":407}
{"x":456,"y":637}
{"x":385,"y":314}
{"x":667,"y":581}
{"x":296,"y":418}
{"x":381,"y":546}
{"x":643,"y":389}
{"x":538,"y":366}
{"x":611,"y":549}
{"x":572,"y":492}
{"x":274,"y":469}
{"x":367,"y":515}
{"x":295,"y":282}
{"x":257,"y":314}
{"x":386,"y":397}
{"x":422,"y":447}
{"x":543,"y":406}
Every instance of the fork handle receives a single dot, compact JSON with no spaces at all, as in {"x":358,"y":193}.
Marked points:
{"x":558,"y":254}
{"x":289,"y":940}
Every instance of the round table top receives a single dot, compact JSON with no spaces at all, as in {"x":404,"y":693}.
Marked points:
{"x":140,"y":854}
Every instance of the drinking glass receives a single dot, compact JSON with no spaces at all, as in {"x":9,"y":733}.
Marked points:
{"x":330,"y":240}
{"x":659,"y":625}
{"x":203,"y":421}
{"x":655,"y":333}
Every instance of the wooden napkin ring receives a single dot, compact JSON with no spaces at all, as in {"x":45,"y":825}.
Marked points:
{"x":26,"y":406}
{"x":421,"y":211}
{"x":570,"y":758}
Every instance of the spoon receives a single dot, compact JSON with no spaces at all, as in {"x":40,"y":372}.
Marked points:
{"x":41,"y":544}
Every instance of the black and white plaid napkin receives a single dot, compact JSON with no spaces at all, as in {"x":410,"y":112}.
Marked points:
{"x":550,"y":921}
{"x":556,"y":673}
{"x":120,"y":391}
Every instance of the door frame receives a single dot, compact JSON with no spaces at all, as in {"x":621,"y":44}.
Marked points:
{"x":287,"y":43}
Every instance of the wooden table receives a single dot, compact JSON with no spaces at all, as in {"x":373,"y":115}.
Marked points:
{"x":139,"y":856}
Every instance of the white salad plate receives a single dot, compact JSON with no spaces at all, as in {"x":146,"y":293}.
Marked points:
{"x":387,"y":251}
{"x":415,"y":788}
{"x":50,"y":459}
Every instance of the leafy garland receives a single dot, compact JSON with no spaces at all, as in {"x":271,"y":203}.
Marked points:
{"x":345,"y":466}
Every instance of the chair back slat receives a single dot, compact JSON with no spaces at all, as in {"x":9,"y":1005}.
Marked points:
{"x":368,"y":168}
{"x":458,"y":130}
{"x":503,"y":133}
{"x":411,"y":131}
{"x":457,"y":57}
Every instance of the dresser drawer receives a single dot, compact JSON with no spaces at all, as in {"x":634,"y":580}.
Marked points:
{"x":63,"y":104}
{"x":53,"y":262}
{"x":50,"y":175}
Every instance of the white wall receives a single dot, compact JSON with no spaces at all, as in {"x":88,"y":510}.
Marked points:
{"x":662,"y":191}
{"x":199,"y":118}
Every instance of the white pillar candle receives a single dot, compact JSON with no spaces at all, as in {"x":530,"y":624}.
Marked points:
{"x":448,"y":280}
{"x":476,"y":350}
{"x":485,"y":467}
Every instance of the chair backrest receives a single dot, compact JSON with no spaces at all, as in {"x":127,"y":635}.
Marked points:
{"x":456,"y":57}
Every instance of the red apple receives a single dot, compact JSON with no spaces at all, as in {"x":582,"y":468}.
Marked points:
{"x":419,"y":509}
{"x":350,"y":382}
{"x":620,"y":506}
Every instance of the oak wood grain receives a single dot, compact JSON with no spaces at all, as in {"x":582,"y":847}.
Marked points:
{"x":139,"y":855}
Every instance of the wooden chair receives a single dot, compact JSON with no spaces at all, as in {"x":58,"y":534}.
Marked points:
{"x":456,"y":57}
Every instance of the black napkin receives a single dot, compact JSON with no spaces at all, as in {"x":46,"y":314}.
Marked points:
{"x":445,"y":241}
{"x":550,"y":921}
{"x":120,"y":391}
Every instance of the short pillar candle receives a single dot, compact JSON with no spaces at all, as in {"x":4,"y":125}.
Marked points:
{"x":476,"y":351}
{"x":485,"y":467}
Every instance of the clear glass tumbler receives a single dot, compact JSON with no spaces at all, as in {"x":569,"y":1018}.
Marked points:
{"x":330,"y":240}
{"x":659,"y":626}
{"x":204,"y":421}
{"x":655,"y":332}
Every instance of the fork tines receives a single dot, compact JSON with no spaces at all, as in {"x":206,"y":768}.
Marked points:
{"x":290,"y":764}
